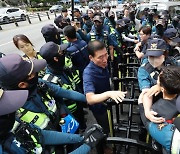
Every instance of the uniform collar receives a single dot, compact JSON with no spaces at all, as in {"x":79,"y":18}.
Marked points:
{"x":98,"y":68}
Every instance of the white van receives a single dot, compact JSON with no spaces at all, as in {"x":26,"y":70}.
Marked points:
{"x":172,"y":7}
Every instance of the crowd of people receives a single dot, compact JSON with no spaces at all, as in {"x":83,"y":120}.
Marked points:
{"x":43,"y":93}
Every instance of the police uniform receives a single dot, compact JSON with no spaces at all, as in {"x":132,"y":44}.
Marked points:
{"x":62,"y":78}
{"x":147,"y":74}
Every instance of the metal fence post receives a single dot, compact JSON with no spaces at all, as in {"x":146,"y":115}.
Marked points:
{"x":28,"y":19}
{"x":39,"y":17}
{"x":48,"y":15}
{"x":55,"y":13}
{"x":14,"y":20}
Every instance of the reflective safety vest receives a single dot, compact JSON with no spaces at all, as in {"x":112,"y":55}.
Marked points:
{"x":111,"y":27}
{"x":39,"y":119}
{"x":63,"y":39}
{"x":133,"y":29}
{"x":28,"y":137}
{"x":105,"y":37}
{"x":75,"y":73}
{"x":119,"y":43}
{"x":38,"y":56}
{"x":56,"y":80}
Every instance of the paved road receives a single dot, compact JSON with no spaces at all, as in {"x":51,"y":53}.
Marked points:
{"x":32,"y":31}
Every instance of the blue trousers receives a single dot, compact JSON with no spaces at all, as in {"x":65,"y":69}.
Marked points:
{"x":52,"y":138}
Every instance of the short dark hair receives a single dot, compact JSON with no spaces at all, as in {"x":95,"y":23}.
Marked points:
{"x":70,"y":32}
{"x":146,"y":30}
{"x":94,"y":46}
{"x":170,"y":79}
{"x":21,"y":37}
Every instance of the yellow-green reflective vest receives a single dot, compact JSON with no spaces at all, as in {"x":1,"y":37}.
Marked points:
{"x":56,"y":80}
{"x":119,"y":43}
{"x":63,"y":39}
{"x":75,"y":73}
{"x":39,"y":119}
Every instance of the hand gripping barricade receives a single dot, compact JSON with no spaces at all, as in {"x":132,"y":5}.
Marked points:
{"x":124,"y":144}
{"x":130,"y":127}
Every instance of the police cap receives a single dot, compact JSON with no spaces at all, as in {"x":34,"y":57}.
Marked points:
{"x":50,"y":50}
{"x":12,"y":100}
{"x":120,"y":22}
{"x":156,"y":47}
{"x":98,"y":18}
{"x":172,"y":34}
{"x":14,"y":69}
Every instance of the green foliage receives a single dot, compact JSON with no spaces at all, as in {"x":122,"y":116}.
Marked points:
{"x":37,"y":9}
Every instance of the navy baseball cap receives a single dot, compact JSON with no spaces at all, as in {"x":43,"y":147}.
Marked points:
{"x":12,"y":100}
{"x":49,"y":29}
{"x":50,"y":50}
{"x":14,"y":69}
{"x":156,"y":47}
{"x":57,"y":20}
{"x":120,"y":22}
{"x":76,"y":10}
{"x":172,"y":34}
{"x":98,"y":18}
{"x":86,"y":17}
{"x":126,"y":20}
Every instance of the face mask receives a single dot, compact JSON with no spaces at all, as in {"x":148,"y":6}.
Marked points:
{"x":57,"y":66}
{"x":32,"y":83}
{"x":150,"y":18}
{"x":120,"y":29}
{"x":173,"y":44}
{"x":99,"y":28}
{"x":156,"y":61}
{"x":111,"y":18}
{"x":160,"y":30}
{"x":132,"y":16}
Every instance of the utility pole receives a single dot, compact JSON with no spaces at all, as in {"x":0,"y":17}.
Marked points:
{"x":72,"y":9}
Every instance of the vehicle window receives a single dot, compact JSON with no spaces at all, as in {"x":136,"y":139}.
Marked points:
{"x":14,"y":10}
{"x":9,"y":10}
{"x":174,"y":10}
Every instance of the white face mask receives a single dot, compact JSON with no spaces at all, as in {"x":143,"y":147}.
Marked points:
{"x":156,"y":61}
{"x":173,"y":44}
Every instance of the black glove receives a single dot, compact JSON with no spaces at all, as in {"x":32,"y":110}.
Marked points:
{"x":93,"y":135}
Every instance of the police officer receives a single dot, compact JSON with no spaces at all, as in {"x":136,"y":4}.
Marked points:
{"x":77,"y":14}
{"x":128,"y":38}
{"x":149,"y":21}
{"x":57,"y":74}
{"x":110,"y":20}
{"x":148,"y":72}
{"x":172,"y":38}
{"x":43,"y":105}
{"x":77,"y":49}
{"x":98,"y":31}
{"x":176,"y":22}
{"x":87,"y":24}
{"x":27,"y":138}
{"x":159,"y":28}
{"x":51,"y":33}
{"x":116,"y":50}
